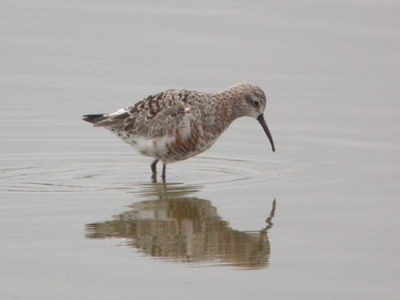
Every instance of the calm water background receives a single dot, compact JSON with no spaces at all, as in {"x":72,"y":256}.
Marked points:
{"x":331,"y":74}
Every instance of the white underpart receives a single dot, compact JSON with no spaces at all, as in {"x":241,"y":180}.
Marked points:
{"x":155,"y":147}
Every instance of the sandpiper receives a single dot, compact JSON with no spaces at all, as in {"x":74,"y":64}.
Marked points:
{"x":178,"y":124}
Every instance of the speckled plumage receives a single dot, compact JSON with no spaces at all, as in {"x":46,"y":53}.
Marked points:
{"x":178,"y":124}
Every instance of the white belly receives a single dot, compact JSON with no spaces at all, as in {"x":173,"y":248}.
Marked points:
{"x":152,"y":147}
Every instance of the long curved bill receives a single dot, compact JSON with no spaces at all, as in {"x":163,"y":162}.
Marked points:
{"x":261,"y":120}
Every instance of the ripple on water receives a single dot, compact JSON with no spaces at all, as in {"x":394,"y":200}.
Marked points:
{"x":82,"y":172}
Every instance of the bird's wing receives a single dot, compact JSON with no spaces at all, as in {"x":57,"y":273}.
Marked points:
{"x":154,"y":116}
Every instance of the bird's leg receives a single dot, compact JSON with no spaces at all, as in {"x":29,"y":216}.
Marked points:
{"x":164,"y":168}
{"x":154,"y":169}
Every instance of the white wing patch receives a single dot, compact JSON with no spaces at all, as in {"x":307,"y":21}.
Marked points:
{"x":118,"y":112}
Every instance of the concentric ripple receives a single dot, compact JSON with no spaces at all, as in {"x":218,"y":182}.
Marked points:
{"x":81,"y":172}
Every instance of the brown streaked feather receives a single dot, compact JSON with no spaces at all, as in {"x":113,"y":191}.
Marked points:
{"x":152,"y":117}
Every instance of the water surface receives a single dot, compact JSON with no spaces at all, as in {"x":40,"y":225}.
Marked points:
{"x":319,"y":218}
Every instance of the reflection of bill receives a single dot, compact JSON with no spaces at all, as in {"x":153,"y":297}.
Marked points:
{"x":187,"y":230}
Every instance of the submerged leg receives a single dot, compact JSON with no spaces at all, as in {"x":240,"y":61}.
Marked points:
{"x":164,"y":169}
{"x":154,"y":169}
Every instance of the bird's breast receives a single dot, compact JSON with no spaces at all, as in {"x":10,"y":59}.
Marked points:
{"x":177,"y":144}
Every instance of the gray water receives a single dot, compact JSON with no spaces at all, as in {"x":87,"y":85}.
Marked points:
{"x":318,"y":219}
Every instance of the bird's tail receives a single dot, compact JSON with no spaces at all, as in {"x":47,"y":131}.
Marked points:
{"x":94,"y":118}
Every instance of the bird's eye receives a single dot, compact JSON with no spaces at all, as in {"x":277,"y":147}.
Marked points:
{"x":256,"y":103}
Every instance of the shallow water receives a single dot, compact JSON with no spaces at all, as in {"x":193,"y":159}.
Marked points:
{"x":317,"y":219}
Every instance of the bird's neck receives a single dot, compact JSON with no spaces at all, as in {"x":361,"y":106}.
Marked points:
{"x":226,"y":110}
{"x":229,"y":103}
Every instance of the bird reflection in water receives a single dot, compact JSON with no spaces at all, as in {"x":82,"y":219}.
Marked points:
{"x":185,"y":229}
